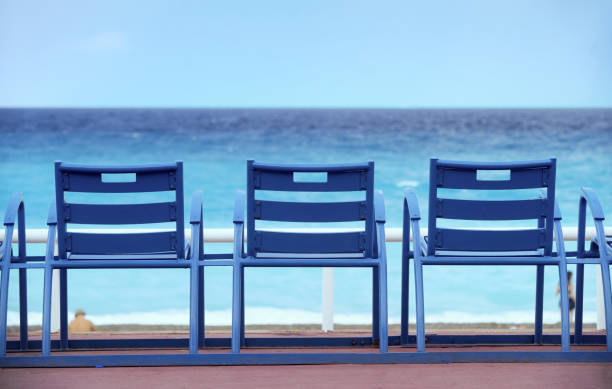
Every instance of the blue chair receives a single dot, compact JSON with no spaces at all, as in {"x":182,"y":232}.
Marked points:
{"x":269,"y":248}
{"x":94,"y":250}
{"x":453,"y":246}
{"x":14,"y":214}
{"x":600,"y":253}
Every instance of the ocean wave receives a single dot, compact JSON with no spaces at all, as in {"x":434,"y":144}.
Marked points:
{"x":268,"y":315}
{"x":407,"y":184}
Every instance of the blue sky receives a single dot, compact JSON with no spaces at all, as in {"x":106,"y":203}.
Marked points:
{"x":546,"y":53}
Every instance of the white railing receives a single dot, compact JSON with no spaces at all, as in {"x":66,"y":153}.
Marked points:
{"x":226,"y":235}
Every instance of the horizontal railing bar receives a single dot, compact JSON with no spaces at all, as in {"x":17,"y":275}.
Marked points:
{"x":226,"y":235}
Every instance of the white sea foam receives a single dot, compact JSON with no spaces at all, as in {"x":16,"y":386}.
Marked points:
{"x":267,"y":315}
{"x":407,"y":184}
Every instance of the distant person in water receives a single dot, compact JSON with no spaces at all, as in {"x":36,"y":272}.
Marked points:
{"x":80,"y":324}
{"x":570,"y":293}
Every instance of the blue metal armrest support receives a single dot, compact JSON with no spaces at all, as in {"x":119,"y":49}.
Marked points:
{"x":267,"y":248}
{"x":80,"y":249}
{"x":14,"y":213}
{"x":451,"y":246}
{"x":600,"y":254}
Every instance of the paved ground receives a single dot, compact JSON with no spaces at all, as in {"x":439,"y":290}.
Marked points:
{"x":498,"y":376}
{"x":459,"y":375}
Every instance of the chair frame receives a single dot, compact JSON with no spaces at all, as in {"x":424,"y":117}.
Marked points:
{"x":426,"y":255}
{"x":277,"y":177}
{"x":187,"y":256}
{"x":15,"y":212}
{"x":595,"y":256}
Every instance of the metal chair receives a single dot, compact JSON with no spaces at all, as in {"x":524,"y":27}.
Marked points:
{"x":600,"y":253}
{"x":82,"y":249}
{"x":454,"y":246}
{"x":14,"y":213}
{"x":269,"y":248}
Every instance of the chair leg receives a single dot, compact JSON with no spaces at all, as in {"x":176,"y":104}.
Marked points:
{"x":242,"y":325}
{"x":63,"y":308}
{"x":607,"y":294}
{"x":405,"y":301}
{"x":565,"y":330}
{"x":539,"y":305}
{"x":193,"y":307}
{"x":46,"y":319}
{"x":236,"y":307}
{"x":382,"y":305}
{"x":375,"y":303}
{"x":4,"y":284}
{"x":201,"y":297}
{"x":23,"y":309}
{"x":420,"y":309}
{"x":579,"y":303}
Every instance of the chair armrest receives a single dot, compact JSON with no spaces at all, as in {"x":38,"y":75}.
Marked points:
{"x":557,"y":215}
{"x":240,"y":199}
{"x":239,"y":224}
{"x":50,"y":249}
{"x":197,"y":230}
{"x":412,"y":215}
{"x":195,"y":215}
{"x":590,"y":199}
{"x":14,"y":209}
{"x":379,"y":206}
{"x":52,"y":216}
{"x":15,"y":212}
{"x":413,"y":204}
{"x":380,"y":247}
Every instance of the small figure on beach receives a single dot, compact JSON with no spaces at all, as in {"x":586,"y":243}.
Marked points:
{"x":80,"y":324}
{"x":570,"y":293}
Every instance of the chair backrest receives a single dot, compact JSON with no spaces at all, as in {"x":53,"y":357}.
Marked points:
{"x":99,"y":179}
{"x":471,"y":176}
{"x":337,"y":178}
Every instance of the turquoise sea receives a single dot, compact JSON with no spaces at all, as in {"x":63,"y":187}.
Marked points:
{"x":215,"y":144}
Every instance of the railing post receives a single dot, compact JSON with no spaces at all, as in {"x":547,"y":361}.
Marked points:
{"x":327,"y":296}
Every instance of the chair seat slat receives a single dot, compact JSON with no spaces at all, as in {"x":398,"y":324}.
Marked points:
{"x":120,"y":213}
{"x":310,"y":212}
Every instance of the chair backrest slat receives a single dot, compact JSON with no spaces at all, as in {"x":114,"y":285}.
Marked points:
{"x":486,"y":240}
{"x":94,"y":179}
{"x":467,"y":179}
{"x":120,"y":213}
{"x":284,"y":181}
{"x":289,"y":242}
{"x":476,"y":176}
{"x":139,"y":243}
{"x":336,"y":178}
{"x":286,"y":211}
{"x":490,"y":210}
{"x":93,"y":182}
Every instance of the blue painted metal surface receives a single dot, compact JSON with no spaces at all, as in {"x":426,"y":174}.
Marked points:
{"x":453,"y":246}
{"x":599,"y":253}
{"x":78,"y":250}
{"x":366,"y":248}
{"x":265,"y":248}
{"x":15,"y":213}
{"x":306,"y":358}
